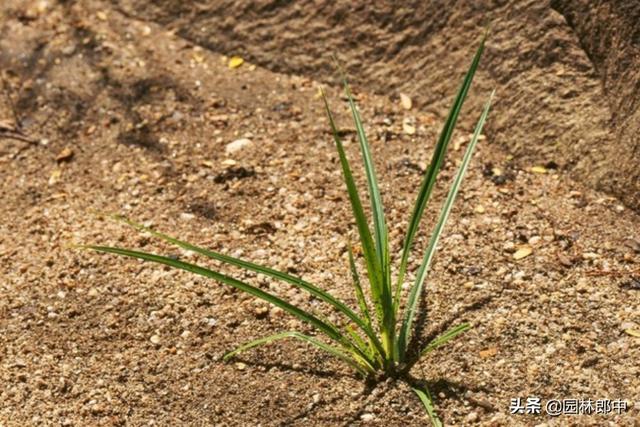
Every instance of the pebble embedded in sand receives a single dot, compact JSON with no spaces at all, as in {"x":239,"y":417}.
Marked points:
{"x":523,"y":252}
{"x":237,"y":145}
{"x":405,"y":101}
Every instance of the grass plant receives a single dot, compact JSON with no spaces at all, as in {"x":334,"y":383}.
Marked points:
{"x":375,"y":340}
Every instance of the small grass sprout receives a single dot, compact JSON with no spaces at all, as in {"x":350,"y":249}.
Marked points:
{"x":376,"y":341}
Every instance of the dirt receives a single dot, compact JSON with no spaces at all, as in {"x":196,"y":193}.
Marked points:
{"x":105,"y":112}
{"x":565,"y":71}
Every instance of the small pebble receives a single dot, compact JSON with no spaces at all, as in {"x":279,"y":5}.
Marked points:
{"x":408,"y":126}
{"x":523,"y":252}
{"x":628,"y":325}
{"x":185,"y":216}
{"x":367,"y":417}
{"x":237,"y":145}
{"x":534,"y":240}
{"x":405,"y":101}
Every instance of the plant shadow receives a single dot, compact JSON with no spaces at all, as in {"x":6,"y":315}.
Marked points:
{"x":448,"y":389}
{"x":292,"y":368}
{"x":418,"y":342}
{"x":369,"y":386}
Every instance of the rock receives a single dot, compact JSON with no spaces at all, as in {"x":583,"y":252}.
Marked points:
{"x":509,"y":247}
{"x":628,"y":325}
{"x":155,"y":339}
{"x":519,"y":275}
{"x":405,"y":101}
{"x":261,"y":312}
{"x":564,"y":260}
{"x":534,"y":240}
{"x":489,"y":352}
{"x":367,"y":417}
{"x":633,"y":244}
{"x":408,"y":126}
{"x":237,"y":145}
{"x":241,"y":366}
{"x":55,"y":176}
{"x":522,"y":252}
{"x":186,"y":216}
{"x":19,"y":363}
{"x":538,"y":169}
{"x":473,"y":416}
{"x":235,"y":62}
{"x":97,"y":409}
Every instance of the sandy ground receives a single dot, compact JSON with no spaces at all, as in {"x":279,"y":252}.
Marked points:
{"x":128,"y":118}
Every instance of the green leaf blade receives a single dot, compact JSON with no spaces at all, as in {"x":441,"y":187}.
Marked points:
{"x":327,"y":329}
{"x":362,"y":302}
{"x":372,"y":180}
{"x":362,"y":369}
{"x":416,"y":289}
{"x":372,"y":261}
{"x":380,"y":228}
{"x":433,"y":170}
{"x":427,"y":402}
{"x":296,"y":281}
{"x":445,"y":338}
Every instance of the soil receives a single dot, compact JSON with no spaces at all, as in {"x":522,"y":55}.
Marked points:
{"x":105,"y":112}
{"x":566,"y":71}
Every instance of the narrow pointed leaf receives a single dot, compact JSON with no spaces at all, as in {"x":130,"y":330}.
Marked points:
{"x":425,"y":398}
{"x":433,"y":170}
{"x":416,"y":290}
{"x":445,"y":337}
{"x":348,"y":344}
{"x":296,"y":281}
{"x":365,"y":351}
{"x":364,"y":370}
{"x":329,"y":330}
{"x":380,"y":228}
{"x":368,"y":248}
{"x":362,"y":302}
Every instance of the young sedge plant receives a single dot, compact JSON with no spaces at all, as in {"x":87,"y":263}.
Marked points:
{"x":375,"y":343}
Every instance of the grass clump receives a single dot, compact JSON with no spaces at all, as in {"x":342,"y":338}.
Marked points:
{"x":376,"y":339}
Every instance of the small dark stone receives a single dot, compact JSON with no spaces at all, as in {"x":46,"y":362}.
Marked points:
{"x":551,"y":165}
{"x":632,"y":284}
{"x":234,"y":173}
